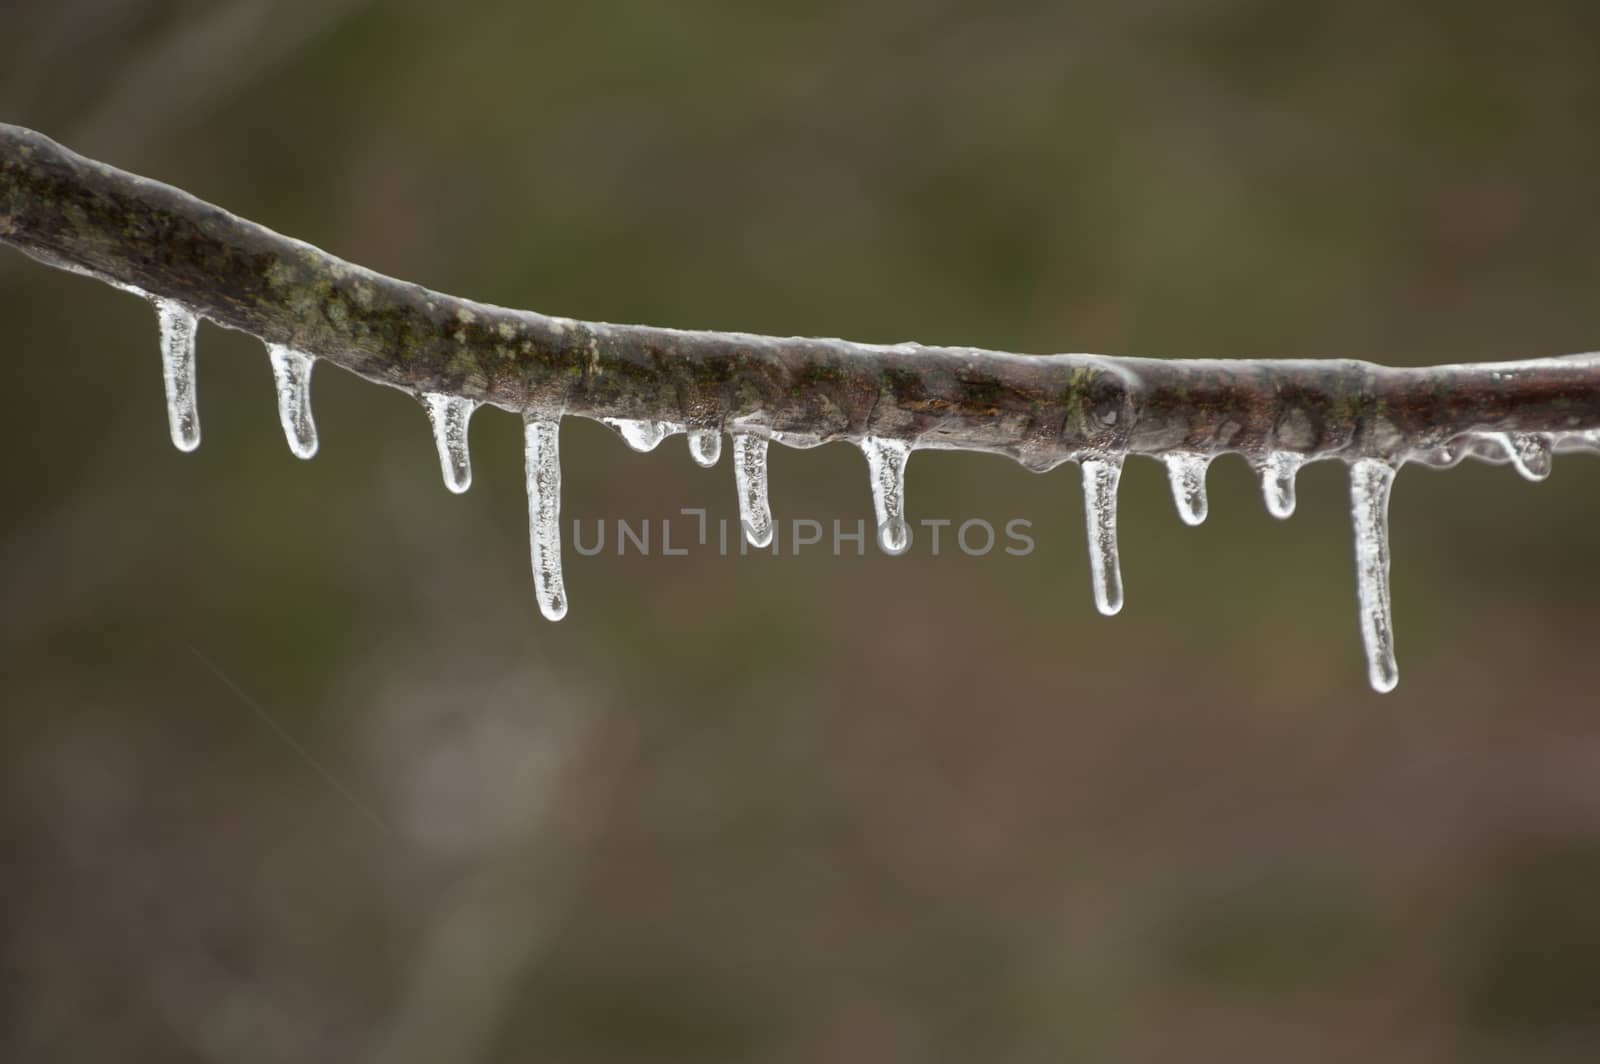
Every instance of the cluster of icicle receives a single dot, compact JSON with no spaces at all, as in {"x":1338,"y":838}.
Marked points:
{"x":1370,"y":478}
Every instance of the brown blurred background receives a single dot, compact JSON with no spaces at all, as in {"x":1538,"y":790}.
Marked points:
{"x":294,"y":771}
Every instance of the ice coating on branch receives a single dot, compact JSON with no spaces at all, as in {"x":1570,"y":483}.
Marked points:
{"x":291,"y":375}
{"x":705,"y":447}
{"x":886,"y":467}
{"x":640,"y":435}
{"x":1370,"y":481}
{"x":1277,"y":481}
{"x":542,"y":465}
{"x":750,"y":477}
{"x":178,"y":324}
{"x":1100,"y":479}
{"x":1583,"y":440}
{"x":1187,"y":472}
{"x":800,"y":441}
{"x":450,"y":416}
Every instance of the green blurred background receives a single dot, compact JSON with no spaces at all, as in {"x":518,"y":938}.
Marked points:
{"x":293,"y":770}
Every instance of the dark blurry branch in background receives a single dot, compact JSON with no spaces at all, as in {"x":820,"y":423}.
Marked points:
{"x":91,"y":218}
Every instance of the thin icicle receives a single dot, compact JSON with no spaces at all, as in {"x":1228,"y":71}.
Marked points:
{"x":705,"y":447}
{"x":291,"y":373}
{"x":178,"y":324}
{"x":542,"y":464}
{"x":1187,"y":472}
{"x":1100,"y":478}
{"x":640,"y":435}
{"x":1370,"y":482}
{"x":886,"y":468}
{"x":750,"y":477}
{"x":1277,"y":481}
{"x":450,"y":415}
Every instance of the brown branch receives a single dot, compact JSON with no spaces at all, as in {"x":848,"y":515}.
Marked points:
{"x":85,"y":216}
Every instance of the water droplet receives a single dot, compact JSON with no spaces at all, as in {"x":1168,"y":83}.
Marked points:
{"x":542,"y":465}
{"x":705,"y":447}
{"x":750,"y":477}
{"x":1100,"y":479}
{"x":886,"y":468}
{"x":291,"y":374}
{"x":450,"y":416}
{"x":1370,"y":484}
{"x":1187,"y":472}
{"x":1277,"y":481}
{"x":178,"y":325}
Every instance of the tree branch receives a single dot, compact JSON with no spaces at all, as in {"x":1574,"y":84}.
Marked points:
{"x":85,"y":216}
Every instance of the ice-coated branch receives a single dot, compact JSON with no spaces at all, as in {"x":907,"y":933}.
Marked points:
{"x":193,"y":260}
{"x":73,"y":212}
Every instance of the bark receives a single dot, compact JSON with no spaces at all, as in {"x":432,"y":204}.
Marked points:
{"x":78,"y":214}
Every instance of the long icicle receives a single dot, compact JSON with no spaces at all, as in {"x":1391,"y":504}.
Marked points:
{"x":291,"y":375}
{"x":886,"y":468}
{"x":1187,"y":472}
{"x":1100,"y":479}
{"x":178,"y":325}
{"x":451,"y":416}
{"x":1277,"y":482}
{"x":1370,"y":484}
{"x":705,"y":447}
{"x":542,"y":465}
{"x":750,"y":477}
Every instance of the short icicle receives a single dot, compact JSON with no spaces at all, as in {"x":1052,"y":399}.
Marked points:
{"x":1100,"y":479}
{"x":291,"y":374}
{"x":178,"y":325}
{"x":450,"y":416}
{"x":1370,"y":484}
{"x":1187,"y":472}
{"x":542,"y":463}
{"x":640,"y":435}
{"x":750,"y":477}
{"x":705,"y":447}
{"x":1277,"y":482}
{"x":886,"y":467}
{"x":1531,"y":453}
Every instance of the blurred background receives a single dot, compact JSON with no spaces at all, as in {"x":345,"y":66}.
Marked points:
{"x":294,"y":771}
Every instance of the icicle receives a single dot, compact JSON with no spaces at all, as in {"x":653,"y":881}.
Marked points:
{"x":1187,"y":472}
{"x":1530,"y":453}
{"x":705,"y":447}
{"x":291,"y":373}
{"x":1370,"y":481}
{"x":886,"y":467}
{"x":750,"y":477}
{"x":450,"y":415}
{"x":640,"y":435}
{"x":1277,"y":481}
{"x":1100,"y":477}
{"x":178,"y":325}
{"x":542,"y":464}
